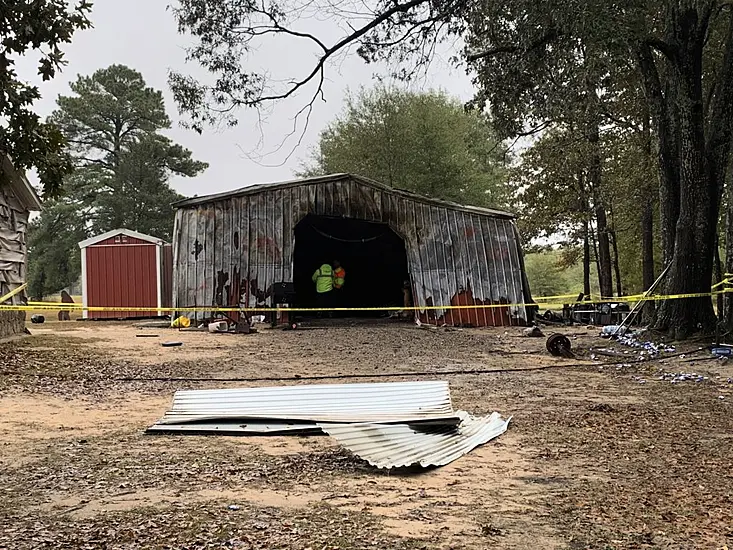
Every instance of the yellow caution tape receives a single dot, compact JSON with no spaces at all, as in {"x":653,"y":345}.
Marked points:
{"x":12,"y":293}
{"x":36,"y":306}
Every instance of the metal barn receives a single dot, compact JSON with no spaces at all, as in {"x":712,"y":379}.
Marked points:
{"x":17,"y":200}
{"x":123,"y":268}
{"x":232,"y":249}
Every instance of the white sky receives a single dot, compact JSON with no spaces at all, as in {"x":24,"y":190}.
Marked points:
{"x":142,"y":34}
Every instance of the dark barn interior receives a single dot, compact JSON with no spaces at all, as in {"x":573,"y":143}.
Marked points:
{"x":372,"y":254}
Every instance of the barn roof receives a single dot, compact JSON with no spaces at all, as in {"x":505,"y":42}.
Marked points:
{"x":130,"y":233}
{"x":263,"y":187}
{"x":20,"y":185}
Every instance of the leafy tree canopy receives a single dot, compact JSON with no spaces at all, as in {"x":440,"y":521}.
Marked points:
{"x":123,"y":164}
{"x":424,"y":142}
{"x":41,"y":26}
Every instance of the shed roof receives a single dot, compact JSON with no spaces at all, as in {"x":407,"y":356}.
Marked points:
{"x":261,"y":187}
{"x":104,"y":236}
{"x":20,"y":185}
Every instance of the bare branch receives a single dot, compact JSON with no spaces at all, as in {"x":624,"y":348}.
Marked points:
{"x":344,"y":42}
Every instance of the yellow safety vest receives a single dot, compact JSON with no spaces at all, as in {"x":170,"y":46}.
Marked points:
{"x":323,"y":277}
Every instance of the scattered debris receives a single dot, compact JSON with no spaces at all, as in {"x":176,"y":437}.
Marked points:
{"x":233,"y":507}
{"x":722,"y":351}
{"x":389,"y":424}
{"x":613,"y":330}
{"x":218,"y":326}
{"x":171,"y":344}
{"x":675,"y":378}
{"x":533,"y":332}
{"x":38,"y":319}
{"x":402,"y":445}
{"x":648,"y":348}
{"x":153,"y":324}
{"x":181,"y":322}
{"x":607,"y":352}
{"x":146,"y":336}
{"x":559,"y":345}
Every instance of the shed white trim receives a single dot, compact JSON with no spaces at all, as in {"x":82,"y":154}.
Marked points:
{"x":84,"y":294}
{"x":159,"y":275}
{"x":128,"y":232}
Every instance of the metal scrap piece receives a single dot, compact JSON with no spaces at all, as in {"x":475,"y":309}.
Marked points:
{"x":413,"y":402}
{"x":401,"y":445}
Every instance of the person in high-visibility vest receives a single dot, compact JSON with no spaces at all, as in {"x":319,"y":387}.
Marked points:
{"x":339,"y":275}
{"x":323,"y":277}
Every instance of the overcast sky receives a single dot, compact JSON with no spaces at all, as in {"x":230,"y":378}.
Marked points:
{"x":142,"y":34}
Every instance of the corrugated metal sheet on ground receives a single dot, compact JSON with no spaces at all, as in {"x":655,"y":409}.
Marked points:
{"x":337,"y":403}
{"x":238,"y":428}
{"x":395,"y":446}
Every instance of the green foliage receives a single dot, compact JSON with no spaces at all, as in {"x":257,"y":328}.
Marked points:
{"x":549,"y":275}
{"x":43,"y":27}
{"x":123,"y":164}
{"x":53,"y":253}
{"x":423,"y":142}
{"x":109,"y":112}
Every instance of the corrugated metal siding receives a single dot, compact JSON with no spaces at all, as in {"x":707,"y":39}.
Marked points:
{"x":119,"y":276}
{"x":376,"y":402}
{"x":400,"y":445}
{"x":230,"y":251}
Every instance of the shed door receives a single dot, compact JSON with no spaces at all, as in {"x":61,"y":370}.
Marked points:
{"x":122,"y":276}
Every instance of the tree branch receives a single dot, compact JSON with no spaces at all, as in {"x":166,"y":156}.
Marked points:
{"x":548,"y":37}
{"x":344,"y":42}
{"x":669,"y":51}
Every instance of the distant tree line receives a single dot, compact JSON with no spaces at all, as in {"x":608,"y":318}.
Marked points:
{"x":122,"y":163}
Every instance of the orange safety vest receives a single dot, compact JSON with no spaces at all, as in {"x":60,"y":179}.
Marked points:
{"x":338,"y":277}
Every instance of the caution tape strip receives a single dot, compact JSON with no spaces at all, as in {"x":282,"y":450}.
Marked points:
{"x":42,"y":306}
{"x":12,"y":293}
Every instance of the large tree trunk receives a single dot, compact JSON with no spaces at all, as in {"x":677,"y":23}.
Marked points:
{"x":586,"y":259}
{"x":614,"y":249}
{"x":728,"y":298}
{"x":648,"y":313}
{"x":660,"y":99}
{"x":719,"y":277}
{"x":616,"y":267}
{"x":680,"y":113}
{"x":692,"y":261}
{"x":605,"y":280}
{"x":647,"y":256}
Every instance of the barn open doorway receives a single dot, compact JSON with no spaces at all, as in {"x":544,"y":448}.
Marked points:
{"x":372,"y":254}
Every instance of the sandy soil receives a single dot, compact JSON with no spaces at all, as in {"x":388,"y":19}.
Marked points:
{"x":598,"y":455}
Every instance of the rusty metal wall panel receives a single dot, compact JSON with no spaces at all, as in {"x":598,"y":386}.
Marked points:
{"x":455,"y":256}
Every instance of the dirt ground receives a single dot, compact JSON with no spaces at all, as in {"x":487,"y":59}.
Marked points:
{"x":598,"y":455}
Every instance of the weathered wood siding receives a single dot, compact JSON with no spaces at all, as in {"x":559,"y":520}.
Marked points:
{"x":13,"y":226}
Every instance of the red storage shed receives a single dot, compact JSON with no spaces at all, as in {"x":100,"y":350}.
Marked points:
{"x":124,"y":268}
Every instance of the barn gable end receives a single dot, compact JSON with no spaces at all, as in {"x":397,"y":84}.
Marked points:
{"x":230,"y":248}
